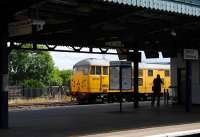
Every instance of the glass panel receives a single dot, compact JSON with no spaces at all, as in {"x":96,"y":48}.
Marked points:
{"x":167,"y":73}
{"x":140,"y":81}
{"x":85,"y":70}
{"x":92,"y":71}
{"x":98,"y":70}
{"x":105,"y":70}
{"x":150,"y":73}
{"x":140,"y":73}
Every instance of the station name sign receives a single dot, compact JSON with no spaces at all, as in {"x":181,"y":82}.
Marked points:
{"x":191,"y":54}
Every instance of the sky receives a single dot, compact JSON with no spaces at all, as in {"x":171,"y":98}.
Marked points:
{"x":66,"y":60}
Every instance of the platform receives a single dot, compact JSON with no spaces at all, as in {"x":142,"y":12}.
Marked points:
{"x":95,"y":120}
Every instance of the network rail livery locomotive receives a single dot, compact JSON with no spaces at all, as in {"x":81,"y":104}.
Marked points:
{"x":90,"y":81}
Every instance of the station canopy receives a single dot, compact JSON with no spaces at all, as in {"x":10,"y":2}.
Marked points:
{"x":149,"y":25}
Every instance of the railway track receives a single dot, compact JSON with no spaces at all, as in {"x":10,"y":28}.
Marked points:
{"x":41,"y":105}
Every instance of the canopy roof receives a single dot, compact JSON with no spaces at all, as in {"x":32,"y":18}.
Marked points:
{"x":150,"y":25}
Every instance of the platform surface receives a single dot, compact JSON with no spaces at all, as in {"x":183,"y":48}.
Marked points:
{"x":101,"y":120}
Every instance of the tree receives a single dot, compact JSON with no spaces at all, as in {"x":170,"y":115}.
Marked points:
{"x":56,"y":79}
{"x":66,"y":76}
{"x":30,"y":65}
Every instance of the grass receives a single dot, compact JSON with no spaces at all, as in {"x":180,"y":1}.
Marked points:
{"x":39,"y":100}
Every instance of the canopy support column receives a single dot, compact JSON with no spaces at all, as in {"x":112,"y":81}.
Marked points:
{"x":3,"y":77}
{"x":188,"y":92}
{"x":136,"y":70}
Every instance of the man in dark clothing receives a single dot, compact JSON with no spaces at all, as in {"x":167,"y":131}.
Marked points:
{"x":156,"y":90}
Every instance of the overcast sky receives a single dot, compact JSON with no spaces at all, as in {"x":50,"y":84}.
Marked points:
{"x":65,"y":60}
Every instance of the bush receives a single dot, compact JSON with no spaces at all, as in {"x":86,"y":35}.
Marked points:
{"x":33,"y":84}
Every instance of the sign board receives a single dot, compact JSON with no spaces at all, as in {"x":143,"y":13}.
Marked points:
{"x":24,"y":27}
{"x":114,"y":44}
{"x":191,"y":54}
{"x":114,"y":79}
{"x":125,"y":79}
{"x":20,"y":28}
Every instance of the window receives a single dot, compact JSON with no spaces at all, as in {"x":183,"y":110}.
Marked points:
{"x":75,"y":69}
{"x":92,"y":71}
{"x":79,"y":68}
{"x":166,"y":73}
{"x":163,"y":80}
{"x":105,"y":70}
{"x":98,"y":70}
{"x":85,"y":70}
{"x":140,"y":72}
{"x":150,"y":73}
{"x":140,"y":81}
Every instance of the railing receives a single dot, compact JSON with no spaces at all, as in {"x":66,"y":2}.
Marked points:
{"x":19,"y":92}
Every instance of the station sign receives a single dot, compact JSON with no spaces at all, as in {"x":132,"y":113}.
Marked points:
{"x":191,"y":54}
{"x":120,"y":75}
{"x":115,"y":44}
{"x":25,"y":27}
{"x":20,"y":28}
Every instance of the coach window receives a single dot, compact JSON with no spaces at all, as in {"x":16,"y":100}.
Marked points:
{"x":105,"y":70}
{"x":140,"y":72}
{"x":140,"y":81}
{"x":150,"y":73}
{"x":166,"y":73}
{"x":98,"y":70}
{"x":92,"y":70}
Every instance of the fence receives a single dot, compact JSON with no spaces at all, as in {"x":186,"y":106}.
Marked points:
{"x":19,"y":92}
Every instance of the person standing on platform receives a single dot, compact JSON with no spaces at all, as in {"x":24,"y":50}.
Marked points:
{"x":156,"y":90}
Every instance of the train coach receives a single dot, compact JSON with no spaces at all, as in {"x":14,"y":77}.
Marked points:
{"x":90,"y":81}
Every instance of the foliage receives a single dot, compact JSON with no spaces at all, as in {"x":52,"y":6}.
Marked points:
{"x":30,"y":65}
{"x":56,"y":79}
{"x":66,"y":75}
{"x":35,"y":69}
{"x":33,"y":84}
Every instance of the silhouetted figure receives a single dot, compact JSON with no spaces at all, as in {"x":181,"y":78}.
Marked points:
{"x":156,"y":90}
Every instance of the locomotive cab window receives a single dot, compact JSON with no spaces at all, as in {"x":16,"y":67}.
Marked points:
{"x":105,"y":70}
{"x":74,"y":69}
{"x":150,"y":73}
{"x":85,"y":70}
{"x":98,"y":70}
{"x":92,"y":70}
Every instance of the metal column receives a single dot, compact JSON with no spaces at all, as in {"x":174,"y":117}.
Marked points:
{"x":188,"y":92}
{"x":136,"y":69}
{"x":3,"y":77}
